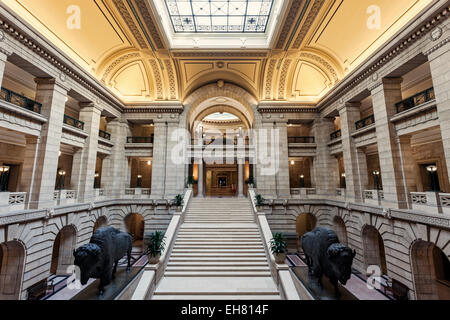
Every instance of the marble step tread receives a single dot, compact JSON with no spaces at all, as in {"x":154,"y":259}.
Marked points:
{"x":246,"y":255}
{"x":216,"y":268}
{"x":204,"y":263}
{"x":219,"y":259}
{"x":217,"y":297}
{"x":213,"y":273}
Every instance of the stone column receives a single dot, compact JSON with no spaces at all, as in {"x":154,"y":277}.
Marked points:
{"x":265,"y":160}
{"x":349,"y":113}
{"x":175,"y":160}
{"x":282,"y":176}
{"x":84,"y":161}
{"x":159,"y":160}
{"x":240,"y":178}
{"x":52,"y":95}
{"x":385,"y":95}
{"x":326,"y":171}
{"x":439,"y":65}
{"x":408,"y":166}
{"x":200,"y":178}
{"x":114,"y":169}
{"x":3,"y":57}
{"x":29,"y":165}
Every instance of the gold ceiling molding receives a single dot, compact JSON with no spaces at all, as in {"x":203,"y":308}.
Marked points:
{"x":159,"y":110}
{"x":388,"y":55}
{"x":158,"y":80}
{"x":322,"y":62}
{"x":144,"y":10}
{"x":117,"y":62}
{"x":130,"y":23}
{"x":172,"y":79}
{"x":269,"y":78}
{"x":283,"y":77}
{"x":308,"y":23}
{"x":288,"y":23}
{"x":218,"y":54}
{"x":286,"y":109}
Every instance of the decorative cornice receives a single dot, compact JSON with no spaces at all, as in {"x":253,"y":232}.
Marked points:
{"x":130,"y":23}
{"x":36,"y":47}
{"x":289,"y":22}
{"x":286,"y":109}
{"x":154,"y":110}
{"x":158,"y":80}
{"x":216,"y":54}
{"x":390,"y":54}
{"x":117,"y":62}
{"x":322,"y":62}
{"x":437,"y":46}
{"x":149,"y":23}
{"x":308,"y":23}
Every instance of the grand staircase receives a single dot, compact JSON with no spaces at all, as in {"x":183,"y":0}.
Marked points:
{"x":218,"y":254}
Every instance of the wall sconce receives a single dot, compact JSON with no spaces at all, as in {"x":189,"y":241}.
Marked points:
{"x":4,"y":169}
{"x":292,"y":162}
{"x":149,"y":163}
{"x":343,"y":175}
{"x":343,"y":182}
{"x":139,"y":181}
{"x":3,"y":178}
{"x":302,"y":181}
{"x":432,"y":170}
{"x":59,"y":155}
{"x":62,"y":174}
{"x":96,"y":175}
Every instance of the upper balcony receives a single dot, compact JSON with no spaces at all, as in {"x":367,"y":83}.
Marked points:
{"x":139,"y":146}
{"x":20,"y":100}
{"x":304,"y":146}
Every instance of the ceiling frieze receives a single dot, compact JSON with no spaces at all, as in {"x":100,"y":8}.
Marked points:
{"x":173,"y":110}
{"x":117,"y":62}
{"x":317,"y":5}
{"x":120,"y":5}
{"x":288,"y":23}
{"x":144,"y":10}
{"x":218,"y":54}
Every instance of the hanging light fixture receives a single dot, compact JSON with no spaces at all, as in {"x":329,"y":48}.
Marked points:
{"x":432,"y":168}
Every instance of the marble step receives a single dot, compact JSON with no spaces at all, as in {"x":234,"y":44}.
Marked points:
{"x":246,"y":255}
{"x":212,"y":273}
{"x":203,"y":263}
{"x":218,"y":259}
{"x":231,"y":296}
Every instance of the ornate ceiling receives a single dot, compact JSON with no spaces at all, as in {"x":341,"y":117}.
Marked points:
{"x":315,"y":44}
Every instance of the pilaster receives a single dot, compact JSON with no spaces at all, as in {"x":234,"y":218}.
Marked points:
{"x":159,"y":159}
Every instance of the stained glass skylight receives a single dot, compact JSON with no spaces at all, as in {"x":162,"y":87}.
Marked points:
{"x":219,"y":16}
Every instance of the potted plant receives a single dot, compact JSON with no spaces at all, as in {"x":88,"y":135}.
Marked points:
{"x":278,"y":246}
{"x":259,"y":200}
{"x":250,"y":182}
{"x":190,"y":182}
{"x":178,"y":202}
{"x":155,"y":247}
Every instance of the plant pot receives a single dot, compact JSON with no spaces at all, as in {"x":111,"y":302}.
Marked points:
{"x":250,"y":185}
{"x":179,"y":208}
{"x":260,"y":208}
{"x":280,"y":258}
{"x":189,"y":186}
{"x":153,"y":259}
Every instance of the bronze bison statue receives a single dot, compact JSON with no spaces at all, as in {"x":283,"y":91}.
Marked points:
{"x":326,"y":256}
{"x":99,"y":258}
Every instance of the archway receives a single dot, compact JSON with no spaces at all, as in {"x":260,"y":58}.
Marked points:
{"x":100,"y":222}
{"x":373,"y":244}
{"x":305,"y":223}
{"x":62,"y":255}
{"x":340,"y":229}
{"x":431,"y":271}
{"x":135,"y":225}
{"x":12,"y":261}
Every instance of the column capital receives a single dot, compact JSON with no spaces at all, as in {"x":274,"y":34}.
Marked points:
{"x":51,"y":84}
{"x":386,"y":84}
{"x":90,"y":105}
{"x":349,"y":106}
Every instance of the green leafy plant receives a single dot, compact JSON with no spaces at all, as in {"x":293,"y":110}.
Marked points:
{"x":179,"y":200}
{"x":156,"y":244}
{"x":278,"y":244}
{"x":250,"y":181}
{"x":259,"y":200}
{"x":190,"y":180}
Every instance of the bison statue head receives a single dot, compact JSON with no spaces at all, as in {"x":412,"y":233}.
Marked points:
{"x":341,"y":258}
{"x":88,"y":259}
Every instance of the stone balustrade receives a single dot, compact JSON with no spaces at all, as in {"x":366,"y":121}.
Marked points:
{"x":64,"y":197}
{"x":302,"y":193}
{"x":137,"y":193}
{"x":373,"y":197}
{"x":12,"y":201}
{"x":431,"y":202}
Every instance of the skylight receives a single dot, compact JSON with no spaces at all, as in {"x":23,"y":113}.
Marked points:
{"x":225,"y":116}
{"x":219,"y":16}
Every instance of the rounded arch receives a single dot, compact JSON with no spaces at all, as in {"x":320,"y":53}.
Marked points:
{"x":340,"y":229}
{"x":135,"y":225}
{"x":431,"y":271}
{"x":225,"y":94}
{"x":12,"y":264}
{"x":373,"y":245}
{"x":220,"y":109}
{"x":62,"y":253}
{"x":305,"y":222}
{"x":101,"y":221}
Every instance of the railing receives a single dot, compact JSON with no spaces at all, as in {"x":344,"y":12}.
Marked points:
{"x":20,"y":100}
{"x":301,"y":140}
{"x":130,"y":192}
{"x":419,"y":198}
{"x":17,"y":198}
{"x":336,"y":135}
{"x":415,"y":100}
{"x":140,"y":139}
{"x":104,"y":134}
{"x":221,"y":141}
{"x":365,"y":122}
{"x":73,"y":122}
